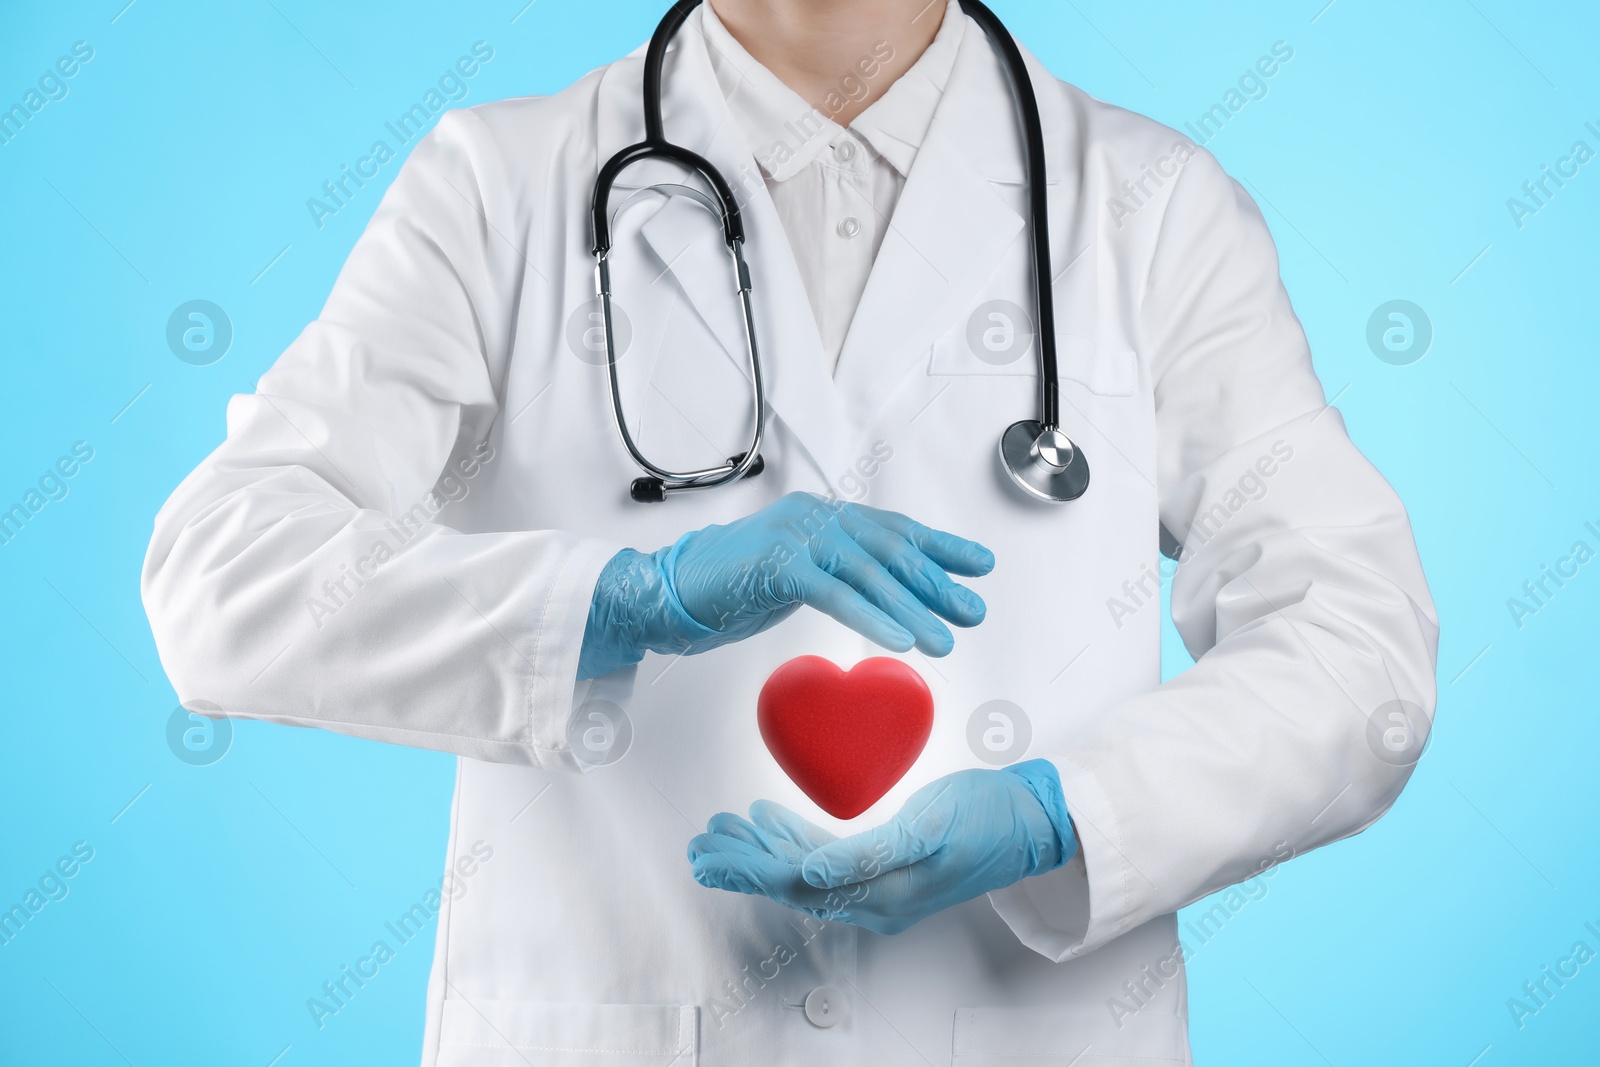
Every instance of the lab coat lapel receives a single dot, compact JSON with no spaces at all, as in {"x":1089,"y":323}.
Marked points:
{"x":951,"y":228}
{"x":695,"y":113}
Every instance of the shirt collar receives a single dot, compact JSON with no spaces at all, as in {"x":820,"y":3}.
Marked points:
{"x":786,"y":134}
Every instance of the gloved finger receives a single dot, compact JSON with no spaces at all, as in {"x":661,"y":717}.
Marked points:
{"x":727,"y":824}
{"x":955,"y":554}
{"x":718,"y":862}
{"x":867,"y":855}
{"x":917,"y":832}
{"x":925,"y":579}
{"x":721,"y":874}
{"x":701,"y":844}
{"x":824,"y":904}
{"x":778,"y":824}
{"x":741,"y":868}
{"x":812,"y":585}
{"x":838,"y":554}
{"x":733,"y":863}
{"x":776,"y":839}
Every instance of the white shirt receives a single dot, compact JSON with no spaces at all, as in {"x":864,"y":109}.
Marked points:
{"x":835,"y":188}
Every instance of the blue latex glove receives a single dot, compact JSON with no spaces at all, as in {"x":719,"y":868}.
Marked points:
{"x":878,"y":572}
{"x":957,"y":838}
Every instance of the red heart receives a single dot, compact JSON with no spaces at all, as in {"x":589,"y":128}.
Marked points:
{"x":845,"y":738}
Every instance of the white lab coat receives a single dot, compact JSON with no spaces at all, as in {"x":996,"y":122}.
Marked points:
{"x":443,"y":356}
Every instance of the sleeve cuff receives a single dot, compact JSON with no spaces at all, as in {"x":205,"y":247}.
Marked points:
{"x":1086,"y":902}
{"x":554,"y":692}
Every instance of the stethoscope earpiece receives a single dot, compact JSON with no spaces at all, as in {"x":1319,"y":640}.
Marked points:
{"x":1044,"y":461}
{"x":654,"y":490}
{"x":647,"y":490}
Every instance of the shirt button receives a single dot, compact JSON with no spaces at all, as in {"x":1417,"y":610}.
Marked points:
{"x":826,"y":1007}
{"x":845,"y":151}
{"x":849,"y":227}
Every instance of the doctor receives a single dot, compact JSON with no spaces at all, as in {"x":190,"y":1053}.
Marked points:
{"x":419,"y":530}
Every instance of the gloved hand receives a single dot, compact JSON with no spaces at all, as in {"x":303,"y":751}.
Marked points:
{"x":964,"y":835}
{"x":876,"y":571}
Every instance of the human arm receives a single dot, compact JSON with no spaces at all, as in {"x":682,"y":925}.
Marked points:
{"x":267,"y":591}
{"x":1298,"y":592}
{"x":1302,"y":599}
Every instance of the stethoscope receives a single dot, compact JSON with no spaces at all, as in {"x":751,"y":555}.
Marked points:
{"x":1038,"y":455}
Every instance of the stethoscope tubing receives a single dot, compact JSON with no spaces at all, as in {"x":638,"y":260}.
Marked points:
{"x":1038,"y":207}
{"x":1043,"y":482}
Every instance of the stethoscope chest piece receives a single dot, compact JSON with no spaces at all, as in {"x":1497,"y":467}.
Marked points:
{"x":1044,"y":462}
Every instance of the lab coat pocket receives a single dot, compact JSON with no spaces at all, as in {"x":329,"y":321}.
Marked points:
{"x":1056,"y":1037}
{"x":503,"y":1033}
{"x":1103,"y":369}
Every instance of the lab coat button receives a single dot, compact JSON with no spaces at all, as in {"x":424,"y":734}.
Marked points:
{"x":826,"y":1006}
{"x":845,"y":151}
{"x":849,"y":227}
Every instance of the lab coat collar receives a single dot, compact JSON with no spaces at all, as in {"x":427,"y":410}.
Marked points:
{"x":896,"y":124}
{"x":787,"y":134}
{"x":784,"y":132}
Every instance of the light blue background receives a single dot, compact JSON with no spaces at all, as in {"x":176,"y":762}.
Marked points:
{"x":220,"y":898}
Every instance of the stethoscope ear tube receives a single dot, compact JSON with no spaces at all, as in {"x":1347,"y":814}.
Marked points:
{"x":660,"y":482}
{"x":656,"y":146}
{"x":727,"y":206}
{"x":1038,"y":456}
{"x":1038,"y":206}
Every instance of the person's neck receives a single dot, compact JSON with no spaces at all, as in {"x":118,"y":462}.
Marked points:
{"x":834,"y":51}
